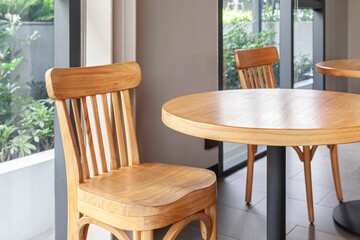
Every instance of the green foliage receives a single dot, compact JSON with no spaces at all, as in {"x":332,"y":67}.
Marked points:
{"x":32,"y":131}
{"x":235,"y":15}
{"x":303,"y":15}
{"x":8,"y":98}
{"x":269,"y":14}
{"x":26,"y":124}
{"x":38,"y":120}
{"x":37,"y":89}
{"x":303,"y":67}
{"x":29,"y":10}
{"x":21,"y":144}
{"x":238,"y":38}
{"x":6,"y":131}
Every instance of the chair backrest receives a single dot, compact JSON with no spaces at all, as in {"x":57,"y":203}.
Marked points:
{"x":102,"y":123}
{"x":255,"y":67}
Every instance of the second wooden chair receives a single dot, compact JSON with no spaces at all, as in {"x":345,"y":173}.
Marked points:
{"x":107,"y":184}
{"x":255,"y":71}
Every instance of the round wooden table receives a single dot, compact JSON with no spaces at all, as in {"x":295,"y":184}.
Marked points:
{"x":346,"y":214}
{"x":272,"y":117}
{"x":340,"y":68}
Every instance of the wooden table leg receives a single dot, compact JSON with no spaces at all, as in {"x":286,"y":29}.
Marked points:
{"x":276,"y":193}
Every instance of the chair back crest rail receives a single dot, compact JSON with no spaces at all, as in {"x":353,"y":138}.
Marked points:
{"x":255,"y":67}
{"x":92,"y":139}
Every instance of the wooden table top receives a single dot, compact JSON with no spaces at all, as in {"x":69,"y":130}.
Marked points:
{"x":340,"y":68}
{"x":277,"y":117}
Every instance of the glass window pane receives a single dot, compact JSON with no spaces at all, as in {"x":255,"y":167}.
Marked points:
{"x":26,"y":52}
{"x":26,"y":120}
{"x":303,"y":48}
{"x":241,"y":20}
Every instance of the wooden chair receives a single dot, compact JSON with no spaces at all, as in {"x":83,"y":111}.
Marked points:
{"x":107,"y":185}
{"x":255,"y":71}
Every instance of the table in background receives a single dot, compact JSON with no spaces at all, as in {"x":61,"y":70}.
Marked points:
{"x":346,"y":214}
{"x":272,"y":117}
{"x":340,"y":68}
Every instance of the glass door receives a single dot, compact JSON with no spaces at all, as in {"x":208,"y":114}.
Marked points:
{"x":297,"y":30}
{"x":245,"y":24}
{"x":303,"y":48}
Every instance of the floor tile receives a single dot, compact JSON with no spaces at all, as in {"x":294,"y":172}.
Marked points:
{"x":296,"y":190}
{"x":259,"y":182}
{"x":297,"y":214}
{"x":232,"y":196}
{"x":223,"y":237}
{"x":243,"y":225}
{"x":324,"y":177}
{"x":189,"y":232}
{"x":292,"y":168}
{"x":331,"y":199}
{"x":301,"y":233}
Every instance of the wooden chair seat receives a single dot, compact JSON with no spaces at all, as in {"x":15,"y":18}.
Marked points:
{"x":141,"y":193}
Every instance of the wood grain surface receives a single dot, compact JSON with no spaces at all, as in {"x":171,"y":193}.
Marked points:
{"x":278,"y":117}
{"x":340,"y":68}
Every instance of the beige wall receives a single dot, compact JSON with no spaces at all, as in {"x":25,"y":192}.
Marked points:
{"x":354,"y":40}
{"x":177,"y":51}
{"x":336,"y":39}
{"x":342,"y":39}
{"x":98,"y":32}
{"x":98,"y":50}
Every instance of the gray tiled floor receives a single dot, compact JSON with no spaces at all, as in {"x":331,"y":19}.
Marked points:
{"x":236,"y":220}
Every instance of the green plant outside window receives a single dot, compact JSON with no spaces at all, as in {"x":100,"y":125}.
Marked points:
{"x":238,"y":36}
{"x":26,"y":115}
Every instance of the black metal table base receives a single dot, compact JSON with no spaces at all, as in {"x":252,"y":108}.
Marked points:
{"x":276,"y":193}
{"x":347,"y":215}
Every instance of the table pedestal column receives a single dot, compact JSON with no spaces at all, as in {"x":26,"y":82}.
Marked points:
{"x":276,"y":193}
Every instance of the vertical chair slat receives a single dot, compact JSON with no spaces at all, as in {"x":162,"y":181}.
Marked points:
{"x":267,"y":77}
{"x":64,"y":114}
{"x":109,"y":132}
{"x":99,"y":134}
{"x":119,"y":130}
{"x":89,"y":135}
{"x":272,"y":76}
{"x":252,"y":85}
{"x":244,"y":79}
{"x":261,"y":80}
{"x":80,"y":136}
{"x":131,"y":143}
{"x":256,"y":79}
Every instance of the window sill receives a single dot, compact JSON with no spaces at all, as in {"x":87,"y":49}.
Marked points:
{"x":305,"y":84}
{"x":26,"y":161}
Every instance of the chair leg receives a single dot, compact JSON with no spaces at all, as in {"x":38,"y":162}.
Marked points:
{"x":72,"y":227}
{"x":250,"y":172}
{"x":136,"y":235}
{"x":211,"y":212}
{"x":81,"y":231}
{"x":147,"y":235}
{"x":336,"y":171}
{"x":308,"y":183}
{"x":84,"y":233}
